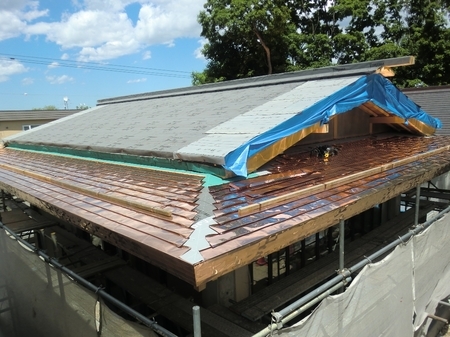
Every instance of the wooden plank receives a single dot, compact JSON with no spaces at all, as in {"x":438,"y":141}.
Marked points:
{"x":270,"y":152}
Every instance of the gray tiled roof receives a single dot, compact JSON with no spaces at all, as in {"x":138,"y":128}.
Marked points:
{"x":23,"y":115}
{"x":153,"y":127}
{"x":201,"y":124}
{"x":436,"y":102}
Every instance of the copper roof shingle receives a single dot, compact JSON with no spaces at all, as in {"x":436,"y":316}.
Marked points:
{"x":85,"y":194}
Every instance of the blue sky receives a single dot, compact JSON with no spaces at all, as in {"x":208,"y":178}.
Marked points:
{"x":48,"y":49}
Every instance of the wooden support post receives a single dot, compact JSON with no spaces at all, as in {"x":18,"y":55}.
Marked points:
{"x":376,"y":216}
{"x":352,"y":223}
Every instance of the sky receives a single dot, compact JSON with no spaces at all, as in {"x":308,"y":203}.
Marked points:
{"x":70,"y":53}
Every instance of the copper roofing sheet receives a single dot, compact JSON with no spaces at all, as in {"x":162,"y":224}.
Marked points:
{"x":61,"y":182}
{"x":286,"y":221}
{"x":238,"y":239}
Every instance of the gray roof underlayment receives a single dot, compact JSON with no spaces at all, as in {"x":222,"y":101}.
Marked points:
{"x":201,"y":123}
{"x":225,"y":137}
{"x":197,"y":124}
{"x":155,"y":127}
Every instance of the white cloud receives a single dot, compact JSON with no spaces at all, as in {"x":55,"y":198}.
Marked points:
{"x":139,"y":80}
{"x":112,"y":5}
{"x":27,"y":81}
{"x":9,"y":5}
{"x":198,"y":52}
{"x":147,"y":55}
{"x":10,"y":25}
{"x":100,"y":35}
{"x":9,"y":68}
{"x":53,"y":65}
{"x":167,"y":21}
{"x":102,"y":29}
{"x":59,"y":79}
{"x":31,"y":11}
{"x":65,"y":56}
{"x":15,"y":15}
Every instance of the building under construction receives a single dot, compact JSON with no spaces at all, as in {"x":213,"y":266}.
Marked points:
{"x":309,"y":203}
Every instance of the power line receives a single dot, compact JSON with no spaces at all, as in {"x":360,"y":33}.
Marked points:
{"x":96,"y":66}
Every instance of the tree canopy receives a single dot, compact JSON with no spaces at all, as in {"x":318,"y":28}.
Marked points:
{"x":47,"y":107}
{"x":256,"y":37}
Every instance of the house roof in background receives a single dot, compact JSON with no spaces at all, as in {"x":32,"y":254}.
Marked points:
{"x":28,"y":115}
{"x":435,"y":101}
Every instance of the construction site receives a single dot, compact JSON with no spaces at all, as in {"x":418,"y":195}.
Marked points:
{"x":312,"y":203}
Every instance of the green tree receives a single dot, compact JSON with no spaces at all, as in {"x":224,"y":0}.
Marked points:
{"x":257,"y":37}
{"x":245,"y":38}
{"x":428,"y":38}
{"x":47,"y":107}
{"x":317,"y":25}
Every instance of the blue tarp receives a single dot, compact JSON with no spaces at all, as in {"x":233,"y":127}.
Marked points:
{"x":371,"y":88}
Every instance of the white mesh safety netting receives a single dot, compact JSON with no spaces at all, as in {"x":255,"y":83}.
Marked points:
{"x":388,"y":298}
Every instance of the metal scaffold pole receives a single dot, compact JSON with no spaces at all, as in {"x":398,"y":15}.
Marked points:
{"x":341,"y":244}
{"x":416,"y":216}
{"x":197,"y":321}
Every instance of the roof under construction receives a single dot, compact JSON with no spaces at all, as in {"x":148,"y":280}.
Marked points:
{"x":198,"y":226}
{"x":237,"y":126}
